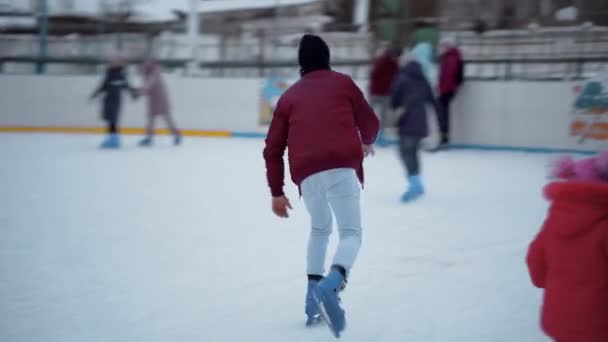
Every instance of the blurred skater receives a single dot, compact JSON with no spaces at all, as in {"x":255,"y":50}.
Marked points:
{"x":383,"y":74}
{"x":328,"y":127}
{"x":158,"y":102}
{"x":451,"y":76}
{"x":114,"y":83}
{"x":569,"y":257}
{"x":410,"y":95}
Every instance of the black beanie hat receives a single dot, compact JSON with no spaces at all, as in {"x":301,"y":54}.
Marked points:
{"x":313,"y":54}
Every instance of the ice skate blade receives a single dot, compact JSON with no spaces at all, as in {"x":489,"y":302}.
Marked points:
{"x":314,"y":321}
{"x":325,"y":317}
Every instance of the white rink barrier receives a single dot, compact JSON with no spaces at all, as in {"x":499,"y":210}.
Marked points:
{"x":486,"y":114}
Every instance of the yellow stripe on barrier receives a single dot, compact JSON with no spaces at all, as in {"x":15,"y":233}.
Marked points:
{"x":39,"y":129}
{"x":202,"y":133}
{"x":100,"y":130}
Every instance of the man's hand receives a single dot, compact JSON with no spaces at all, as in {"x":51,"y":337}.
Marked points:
{"x":368,"y":150}
{"x":280,"y":205}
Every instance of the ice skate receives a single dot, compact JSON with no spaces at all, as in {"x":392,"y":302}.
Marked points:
{"x":382,"y":142}
{"x":415,"y":190}
{"x":439,"y":148}
{"x":111,"y":142}
{"x":327,"y":298}
{"x":312,"y":308}
{"x":444,"y":144}
{"x":145,"y":142}
{"x":177,"y":140}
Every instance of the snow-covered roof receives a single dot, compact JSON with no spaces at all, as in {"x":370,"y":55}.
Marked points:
{"x":163,"y":10}
{"x":283,"y":23}
{"x":144,"y":11}
{"x":17,"y":22}
{"x":214,"y":6}
{"x":14,"y":6}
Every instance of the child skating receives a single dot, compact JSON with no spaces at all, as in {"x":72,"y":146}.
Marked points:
{"x":114,"y":83}
{"x":569,"y":257}
{"x":410,"y":95}
{"x":328,"y":127}
{"x":158,"y":102}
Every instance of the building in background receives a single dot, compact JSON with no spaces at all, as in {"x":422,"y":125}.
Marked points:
{"x":242,"y":30}
{"x":515,"y":14}
{"x":250,"y":37}
{"x":14,"y":15}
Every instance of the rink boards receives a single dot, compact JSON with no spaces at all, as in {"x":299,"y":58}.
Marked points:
{"x":529,"y":116}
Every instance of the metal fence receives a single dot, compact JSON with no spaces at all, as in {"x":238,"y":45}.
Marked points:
{"x":478,"y":69}
{"x":533,"y":54}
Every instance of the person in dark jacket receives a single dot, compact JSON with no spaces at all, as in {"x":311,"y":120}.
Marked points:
{"x":451,"y":76}
{"x":328,"y":127}
{"x":383,"y":74}
{"x":114,"y":83}
{"x":569,"y":256}
{"x":411,"y":93}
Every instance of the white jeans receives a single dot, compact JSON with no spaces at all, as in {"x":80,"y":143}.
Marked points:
{"x":339,"y":191}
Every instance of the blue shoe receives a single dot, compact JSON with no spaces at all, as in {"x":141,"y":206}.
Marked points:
{"x":312,"y":308}
{"x":177,"y":140}
{"x":415,"y":190}
{"x":112,"y":141}
{"x":147,"y":141}
{"x":381,"y":142}
{"x":327,"y":298}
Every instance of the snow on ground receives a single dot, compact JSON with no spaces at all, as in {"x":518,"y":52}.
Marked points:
{"x":179,"y":244}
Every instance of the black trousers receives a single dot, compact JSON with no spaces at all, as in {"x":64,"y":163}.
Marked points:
{"x":112,"y":127}
{"x":408,"y":149}
{"x":444,"y":116}
{"x":111,"y":112}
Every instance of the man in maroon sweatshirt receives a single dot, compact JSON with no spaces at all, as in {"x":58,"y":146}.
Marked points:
{"x":328,"y":127}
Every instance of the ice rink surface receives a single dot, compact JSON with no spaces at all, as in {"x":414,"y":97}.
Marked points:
{"x":179,"y":244}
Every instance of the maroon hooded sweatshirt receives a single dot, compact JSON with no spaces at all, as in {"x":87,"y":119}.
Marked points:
{"x":323,"y":119}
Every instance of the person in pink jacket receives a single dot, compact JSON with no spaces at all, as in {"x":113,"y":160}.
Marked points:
{"x":158,"y":102}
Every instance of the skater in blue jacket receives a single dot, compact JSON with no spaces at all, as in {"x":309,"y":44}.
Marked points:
{"x":411,"y":93}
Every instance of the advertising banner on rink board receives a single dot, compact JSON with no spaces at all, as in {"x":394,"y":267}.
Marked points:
{"x":272,"y":89}
{"x":589,"y":124}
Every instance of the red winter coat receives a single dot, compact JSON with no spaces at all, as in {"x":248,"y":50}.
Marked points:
{"x":569,"y":259}
{"x":450,"y":71}
{"x":322,"y":119}
{"x":384,"y":71}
